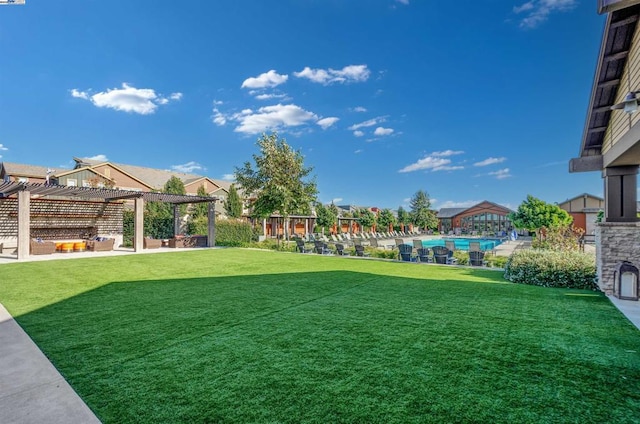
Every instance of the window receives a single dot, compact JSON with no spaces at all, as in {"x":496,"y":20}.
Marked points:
{"x":86,"y":183}
{"x":23,"y":179}
{"x":72,"y":183}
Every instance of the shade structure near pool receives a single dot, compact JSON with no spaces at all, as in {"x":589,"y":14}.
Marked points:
{"x":463,"y":243}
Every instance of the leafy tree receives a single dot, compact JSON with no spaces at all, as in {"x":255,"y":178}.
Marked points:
{"x":233,"y":204}
{"x":421,"y":213}
{"x":200,"y":209}
{"x":158,"y":216}
{"x":403,"y":216}
{"x":325,"y":216}
{"x":278,"y":180}
{"x":366,"y":218}
{"x":386,"y":218}
{"x":534,"y":214}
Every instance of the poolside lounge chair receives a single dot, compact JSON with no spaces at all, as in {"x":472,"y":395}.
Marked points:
{"x":417,"y":244}
{"x":405,"y":253}
{"x":321,"y":248}
{"x":373,"y":242}
{"x":360,"y":250}
{"x":476,"y":258}
{"x":474,"y":246}
{"x":424,"y":255}
{"x":450,"y":244}
{"x":442,"y":255}
{"x":301,"y":246}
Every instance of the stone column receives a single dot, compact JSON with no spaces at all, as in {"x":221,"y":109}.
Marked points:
{"x":615,"y":242}
{"x":176,"y":219}
{"x":211,"y":216}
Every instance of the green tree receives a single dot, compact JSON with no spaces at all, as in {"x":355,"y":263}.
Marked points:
{"x":325,"y":216}
{"x":200,"y":209}
{"x":366,"y":218}
{"x":386,"y":218}
{"x":421,"y":213}
{"x":534,"y":214}
{"x":158,"y":216}
{"x":279,"y":180}
{"x":233,"y":204}
{"x":403,"y":216}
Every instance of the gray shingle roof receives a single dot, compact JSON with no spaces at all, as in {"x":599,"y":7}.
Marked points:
{"x":25,"y":170}
{"x":450,"y":212}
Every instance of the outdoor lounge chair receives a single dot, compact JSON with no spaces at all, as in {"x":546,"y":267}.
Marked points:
{"x":450,"y":244}
{"x":151,"y":243}
{"x":405,"y":253}
{"x":321,"y":248}
{"x":476,"y":258}
{"x":442,"y":255}
{"x":360,"y":250}
{"x":474,"y":246}
{"x":373,"y":242}
{"x":340,"y":250}
{"x":38,"y":247}
{"x":301,"y":246}
{"x":102,"y":245}
{"x":424,"y":255}
{"x":417,"y":244}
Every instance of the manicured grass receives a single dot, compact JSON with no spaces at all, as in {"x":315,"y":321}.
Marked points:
{"x":253,"y":336}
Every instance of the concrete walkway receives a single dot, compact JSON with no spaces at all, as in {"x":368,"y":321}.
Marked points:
{"x":32,"y":391}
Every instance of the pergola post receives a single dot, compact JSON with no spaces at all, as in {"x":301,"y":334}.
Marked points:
{"x":138,"y":227}
{"x":211,"y":217}
{"x":176,"y":219}
{"x":24,"y":224}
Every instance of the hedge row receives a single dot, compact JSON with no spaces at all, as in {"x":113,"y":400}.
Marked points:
{"x":233,"y":233}
{"x":547,"y":268}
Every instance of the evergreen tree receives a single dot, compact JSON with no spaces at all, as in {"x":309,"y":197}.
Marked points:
{"x":233,"y":204}
{"x":421,"y":213}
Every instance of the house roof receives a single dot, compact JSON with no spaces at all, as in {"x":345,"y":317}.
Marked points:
{"x":450,"y":212}
{"x":153,"y":177}
{"x":580,"y":196}
{"x":24,"y":170}
{"x":614,"y":50}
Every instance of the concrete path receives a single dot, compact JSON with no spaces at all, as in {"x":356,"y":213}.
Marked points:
{"x":32,"y":391}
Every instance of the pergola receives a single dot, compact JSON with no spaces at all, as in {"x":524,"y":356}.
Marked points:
{"x":26,"y":191}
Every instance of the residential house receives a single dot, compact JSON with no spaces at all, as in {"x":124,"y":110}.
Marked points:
{"x":584,"y":209}
{"x":485,"y":217}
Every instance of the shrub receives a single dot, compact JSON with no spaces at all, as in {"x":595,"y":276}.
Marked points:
{"x":558,"y":238}
{"x":231,"y":232}
{"x":199,"y":225}
{"x":380,"y":253}
{"x":272,"y":244}
{"x":549,"y":268}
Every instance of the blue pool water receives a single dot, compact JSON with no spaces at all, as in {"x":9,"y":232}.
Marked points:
{"x":463,"y":243}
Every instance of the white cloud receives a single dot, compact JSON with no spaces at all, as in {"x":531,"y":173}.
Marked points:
{"x":403,"y":1}
{"x":359,"y":109}
{"x":490,"y":161}
{"x":536,"y":12}
{"x":218,"y":117}
{"x":383,"y":131}
{"x":336,"y":200}
{"x":143,"y":101}
{"x":79,"y":94}
{"x":501,"y":174}
{"x":99,"y":158}
{"x":188,"y":167}
{"x":267,"y":96}
{"x":368,"y":123}
{"x":360,"y":151}
{"x":272,"y":118}
{"x":435,"y":162}
{"x":266,"y":80}
{"x":327,"y":122}
{"x":358,"y":133}
{"x":3,"y":148}
{"x":228,"y":177}
{"x":218,"y":102}
{"x":348,"y":74}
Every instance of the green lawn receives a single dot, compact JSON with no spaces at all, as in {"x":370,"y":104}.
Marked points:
{"x":237,"y":335}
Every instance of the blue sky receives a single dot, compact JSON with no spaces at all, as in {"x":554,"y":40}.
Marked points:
{"x":467,"y":100}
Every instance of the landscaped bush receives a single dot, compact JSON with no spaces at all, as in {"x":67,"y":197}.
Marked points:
{"x":272,"y":244}
{"x":198,"y":225}
{"x":549,"y":268}
{"x":380,"y":253}
{"x":233,"y":233}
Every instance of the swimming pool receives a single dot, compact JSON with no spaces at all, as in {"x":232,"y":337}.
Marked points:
{"x":463,"y":243}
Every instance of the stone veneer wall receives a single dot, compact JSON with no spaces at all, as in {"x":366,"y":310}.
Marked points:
{"x":615,"y":242}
